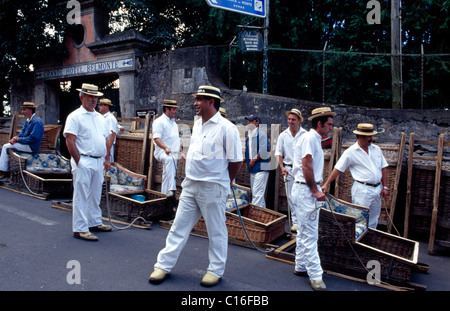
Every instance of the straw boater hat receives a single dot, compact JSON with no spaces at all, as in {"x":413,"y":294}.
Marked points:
{"x":321,"y":112}
{"x":29,"y":105}
{"x":170,"y":103}
{"x":223,"y":111}
{"x":90,"y":89}
{"x":295,"y":111}
{"x":105,"y":101}
{"x":207,"y":90}
{"x":365,"y":129}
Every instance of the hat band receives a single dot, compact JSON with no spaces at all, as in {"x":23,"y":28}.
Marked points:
{"x":209,"y":91}
{"x":89,"y":91}
{"x":365,"y":130}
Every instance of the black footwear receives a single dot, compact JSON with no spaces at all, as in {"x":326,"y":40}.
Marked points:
{"x":300,"y":273}
{"x":101,"y":228}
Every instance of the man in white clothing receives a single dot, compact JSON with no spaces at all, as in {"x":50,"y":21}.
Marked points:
{"x":308,"y":171}
{"x":213,"y":160}
{"x":368,"y":168}
{"x":104,"y":108}
{"x":86,"y":136}
{"x":167,"y":145}
{"x":284,"y":152}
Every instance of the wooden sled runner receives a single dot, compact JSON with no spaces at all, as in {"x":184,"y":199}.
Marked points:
{"x":348,"y":248}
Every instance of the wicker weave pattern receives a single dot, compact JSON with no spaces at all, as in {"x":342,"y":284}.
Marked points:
{"x":262,"y":225}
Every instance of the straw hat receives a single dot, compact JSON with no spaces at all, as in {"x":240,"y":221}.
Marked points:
{"x":90,"y":89}
{"x":295,"y":111}
{"x":170,"y":103}
{"x":29,"y":105}
{"x":105,"y":101}
{"x":321,"y":112}
{"x":365,"y":129}
{"x":223,"y":111}
{"x":207,"y":90}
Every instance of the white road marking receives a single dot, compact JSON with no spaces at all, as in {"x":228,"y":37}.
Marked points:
{"x":29,"y":216}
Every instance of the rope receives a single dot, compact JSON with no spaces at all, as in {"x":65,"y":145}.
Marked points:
{"x":389,"y":216}
{"x":25,"y":183}
{"x":243,"y":226}
{"x":287,"y":199}
{"x":356,"y":254}
{"x":109,"y":210}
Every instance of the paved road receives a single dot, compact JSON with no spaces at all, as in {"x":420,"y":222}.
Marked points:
{"x":38,"y":253}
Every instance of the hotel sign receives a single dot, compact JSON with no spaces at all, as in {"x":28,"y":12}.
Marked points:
{"x":90,"y":68}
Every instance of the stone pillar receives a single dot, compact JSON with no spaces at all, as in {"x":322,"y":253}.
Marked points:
{"x":127,"y":94}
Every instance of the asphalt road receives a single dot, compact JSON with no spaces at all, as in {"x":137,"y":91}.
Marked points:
{"x":38,"y":253}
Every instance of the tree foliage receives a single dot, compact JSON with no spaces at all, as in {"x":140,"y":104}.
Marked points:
{"x":355,"y":70}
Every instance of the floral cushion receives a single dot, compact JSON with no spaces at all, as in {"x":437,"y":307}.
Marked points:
{"x":361,"y":215}
{"x":124,"y":181}
{"x":242,"y":197}
{"x":45,"y":163}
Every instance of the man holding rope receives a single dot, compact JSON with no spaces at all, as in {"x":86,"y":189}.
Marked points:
{"x":167,"y":145}
{"x":308,"y":170}
{"x":368,"y":168}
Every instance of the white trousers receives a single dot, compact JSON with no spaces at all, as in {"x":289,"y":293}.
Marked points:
{"x":258,"y":182}
{"x":169,"y":162}
{"x":306,"y":252}
{"x":370,"y":197}
{"x":288,"y":187}
{"x":198,"y":199}
{"x":87,"y":191}
{"x":4,"y":158}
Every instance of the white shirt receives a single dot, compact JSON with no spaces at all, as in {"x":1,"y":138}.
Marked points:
{"x":91,"y":131}
{"x":112,"y":123}
{"x":286,"y":143}
{"x":167,"y":130}
{"x":364,"y":167}
{"x":213,"y":145}
{"x":309,"y":143}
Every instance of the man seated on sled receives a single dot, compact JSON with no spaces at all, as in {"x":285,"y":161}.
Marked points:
{"x":28,"y":140}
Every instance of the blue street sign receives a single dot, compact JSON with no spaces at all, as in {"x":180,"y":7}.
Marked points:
{"x":249,"y":7}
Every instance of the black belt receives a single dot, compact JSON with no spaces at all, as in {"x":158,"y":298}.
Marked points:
{"x":369,"y":184}
{"x":290,"y":165}
{"x":90,"y":156}
{"x":303,"y":183}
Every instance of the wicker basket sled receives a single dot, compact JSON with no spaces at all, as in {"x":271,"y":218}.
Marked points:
{"x":262,"y":225}
{"x":45,"y":174}
{"x":133,"y":200}
{"x":348,"y":250}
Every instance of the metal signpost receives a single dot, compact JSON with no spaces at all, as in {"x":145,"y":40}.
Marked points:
{"x":259,"y":8}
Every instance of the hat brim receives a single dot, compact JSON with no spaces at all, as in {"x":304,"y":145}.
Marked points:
{"x":325,"y":114}
{"x":96,"y":94}
{"x":291,"y":112}
{"x":209,"y":95}
{"x":29,"y":107}
{"x":170,"y":105}
{"x":365,"y":133}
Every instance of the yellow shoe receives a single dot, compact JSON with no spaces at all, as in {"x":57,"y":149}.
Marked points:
{"x":158,"y":276}
{"x":88,"y":236}
{"x":294,"y":229}
{"x":210,"y":280}
{"x":318,"y":285}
